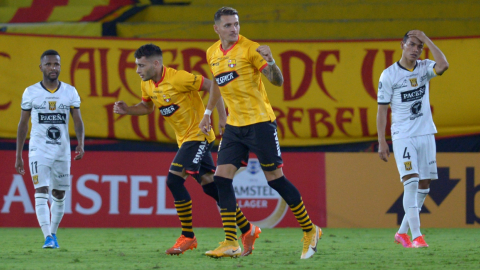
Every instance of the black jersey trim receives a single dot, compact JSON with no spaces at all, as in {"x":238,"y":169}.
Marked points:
{"x":27,"y":110}
{"x":416,"y":64}
{"x":59,"y":84}
{"x":383,"y":103}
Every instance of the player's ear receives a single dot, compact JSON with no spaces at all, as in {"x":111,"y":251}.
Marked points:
{"x":402,"y":44}
{"x":215,"y":28}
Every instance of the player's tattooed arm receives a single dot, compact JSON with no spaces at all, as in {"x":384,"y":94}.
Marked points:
{"x":273,"y":74}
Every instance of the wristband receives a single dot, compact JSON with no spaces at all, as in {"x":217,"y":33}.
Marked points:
{"x":208,"y":112}
{"x":271,"y":63}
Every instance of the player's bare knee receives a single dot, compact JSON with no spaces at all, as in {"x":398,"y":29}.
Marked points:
{"x":42,"y":190}
{"x":206,"y":179}
{"x":272,"y":175}
{"x":226,"y":171}
{"x":407,"y":177}
{"x":424,"y":183}
{"x":58,"y":194}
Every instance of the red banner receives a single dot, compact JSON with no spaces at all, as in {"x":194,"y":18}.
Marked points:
{"x":128,"y":189}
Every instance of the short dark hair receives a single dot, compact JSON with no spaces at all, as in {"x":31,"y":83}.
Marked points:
{"x":228,"y":11}
{"x":405,"y":37}
{"x":49,"y":52}
{"x":148,"y":50}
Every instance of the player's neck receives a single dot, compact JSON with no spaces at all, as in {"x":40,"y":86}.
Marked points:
{"x":49,"y":84}
{"x":226,"y":45}
{"x":410,"y":65}
{"x":158,"y":75}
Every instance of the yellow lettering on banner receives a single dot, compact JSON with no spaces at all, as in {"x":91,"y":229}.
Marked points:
{"x":329,"y":93}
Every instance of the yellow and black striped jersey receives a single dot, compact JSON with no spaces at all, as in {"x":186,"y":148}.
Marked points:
{"x":176,"y":96}
{"x":238,"y":75}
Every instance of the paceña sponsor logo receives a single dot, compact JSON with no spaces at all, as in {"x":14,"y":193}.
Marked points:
{"x":52,"y":118}
{"x":226,"y":77}
{"x":414,"y":94}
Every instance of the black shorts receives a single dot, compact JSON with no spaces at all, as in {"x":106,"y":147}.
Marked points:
{"x":260,"y":138}
{"x":195,"y":157}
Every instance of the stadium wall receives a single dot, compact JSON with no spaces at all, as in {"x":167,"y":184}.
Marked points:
{"x":329,"y":94}
{"x":340,"y":190}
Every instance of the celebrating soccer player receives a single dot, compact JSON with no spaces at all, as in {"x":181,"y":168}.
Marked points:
{"x":405,"y":87}
{"x":175,"y":93}
{"x":237,"y":64}
{"x":49,"y":103}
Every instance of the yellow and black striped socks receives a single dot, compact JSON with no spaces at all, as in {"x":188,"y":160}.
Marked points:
{"x":292,"y":196}
{"x":229,"y":225}
{"x":242,"y":221}
{"x":228,"y":206}
{"x":184,"y":211}
{"x":302,"y":217}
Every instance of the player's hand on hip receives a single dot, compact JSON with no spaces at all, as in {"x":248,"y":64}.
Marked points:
{"x":205,"y":124}
{"x":265,"y":52}
{"x":80,"y":152}
{"x":120,"y":107}
{"x":19,"y":166}
{"x":383,"y":151}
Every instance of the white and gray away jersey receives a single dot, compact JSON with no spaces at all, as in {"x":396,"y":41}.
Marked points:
{"x":407,"y":92}
{"x":49,"y":136}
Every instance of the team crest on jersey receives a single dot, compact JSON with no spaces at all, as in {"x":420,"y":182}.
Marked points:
{"x":408,"y":165}
{"x":52,"y":105}
{"x":413,"y":82}
{"x":35,"y":179}
{"x":232,"y":63}
{"x":167,"y":98}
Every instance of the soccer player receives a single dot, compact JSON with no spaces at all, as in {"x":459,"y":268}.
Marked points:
{"x":237,"y":64}
{"x":49,"y":103}
{"x":175,"y":93}
{"x":405,"y":87}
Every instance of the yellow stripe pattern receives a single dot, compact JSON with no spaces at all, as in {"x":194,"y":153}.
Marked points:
{"x":229,"y":225}
{"x":302,"y":216}
{"x":184,"y":211}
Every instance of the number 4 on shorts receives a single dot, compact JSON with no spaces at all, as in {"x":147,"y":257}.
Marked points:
{"x":406,"y":154}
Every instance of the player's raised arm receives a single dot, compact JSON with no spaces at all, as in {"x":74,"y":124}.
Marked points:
{"x":21,"y":136}
{"x":441,"y":61}
{"x":383,"y":150}
{"x":271,"y":71}
{"x":142,"y":108}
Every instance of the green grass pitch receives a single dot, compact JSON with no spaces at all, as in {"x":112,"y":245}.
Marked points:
{"x":275,"y":249}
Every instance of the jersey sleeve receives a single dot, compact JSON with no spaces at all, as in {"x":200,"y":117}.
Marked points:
{"x":255,"y":58}
{"x":187,"y":82}
{"x":26,"y":101}
{"x":385,"y":91}
{"x":75,"y":102}
{"x":145,"y":96}
{"x":431,"y":69}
